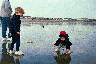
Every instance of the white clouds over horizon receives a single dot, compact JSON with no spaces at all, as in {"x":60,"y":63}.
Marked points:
{"x":57,"y":8}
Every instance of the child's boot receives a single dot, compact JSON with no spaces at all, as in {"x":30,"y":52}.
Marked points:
{"x":19,"y":53}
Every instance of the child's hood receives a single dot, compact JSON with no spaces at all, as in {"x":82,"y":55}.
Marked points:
{"x":63,"y":34}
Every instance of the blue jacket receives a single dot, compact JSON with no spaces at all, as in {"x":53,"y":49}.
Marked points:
{"x":14,"y":24}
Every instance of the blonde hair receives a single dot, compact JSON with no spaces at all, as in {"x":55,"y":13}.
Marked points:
{"x":20,"y":10}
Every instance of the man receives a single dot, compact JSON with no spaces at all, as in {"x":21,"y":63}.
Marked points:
{"x":6,"y":12}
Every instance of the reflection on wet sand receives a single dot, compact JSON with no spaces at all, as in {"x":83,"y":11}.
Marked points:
{"x":63,"y":58}
{"x":6,"y":58}
{"x":35,"y":43}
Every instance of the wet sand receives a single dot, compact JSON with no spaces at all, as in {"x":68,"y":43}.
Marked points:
{"x":40,"y":50}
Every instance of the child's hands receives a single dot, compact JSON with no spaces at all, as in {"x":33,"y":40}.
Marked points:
{"x":18,"y":33}
{"x":53,"y":44}
{"x":68,"y":51}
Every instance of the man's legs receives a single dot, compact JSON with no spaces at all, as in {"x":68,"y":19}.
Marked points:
{"x":8,"y":25}
{"x":4,"y":26}
{"x":5,"y":23}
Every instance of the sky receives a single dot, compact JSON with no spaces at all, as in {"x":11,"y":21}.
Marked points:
{"x":57,"y":8}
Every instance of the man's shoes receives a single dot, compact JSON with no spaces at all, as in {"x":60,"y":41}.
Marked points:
{"x":9,"y":39}
{"x":10,"y":52}
{"x":4,"y":39}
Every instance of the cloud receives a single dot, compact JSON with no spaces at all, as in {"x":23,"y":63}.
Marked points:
{"x":57,"y":8}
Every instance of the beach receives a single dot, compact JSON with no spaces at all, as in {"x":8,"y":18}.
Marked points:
{"x":37,"y":38}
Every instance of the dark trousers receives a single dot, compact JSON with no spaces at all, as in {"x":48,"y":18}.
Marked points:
{"x":5,"y":23}
{"x":15,"y":39}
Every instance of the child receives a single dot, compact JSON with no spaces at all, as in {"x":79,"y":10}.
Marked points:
{"x":15,"y":30}
{"x":63,"y":41}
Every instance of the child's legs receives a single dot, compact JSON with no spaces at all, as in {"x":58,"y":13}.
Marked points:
{"x":13,"y":42}
{"x":17,"y":42}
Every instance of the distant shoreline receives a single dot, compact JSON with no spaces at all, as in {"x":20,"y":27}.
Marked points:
{"x":56,"y":21}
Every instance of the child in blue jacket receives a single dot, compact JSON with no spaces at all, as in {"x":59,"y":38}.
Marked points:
{"x":15,"y":30}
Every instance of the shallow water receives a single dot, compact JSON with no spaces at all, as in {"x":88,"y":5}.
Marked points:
{"x":40,"y":51}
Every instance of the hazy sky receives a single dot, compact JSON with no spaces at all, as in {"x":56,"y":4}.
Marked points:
{"x":57,"y":8}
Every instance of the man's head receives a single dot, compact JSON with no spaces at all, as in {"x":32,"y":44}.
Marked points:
{"x":19,"y":11}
